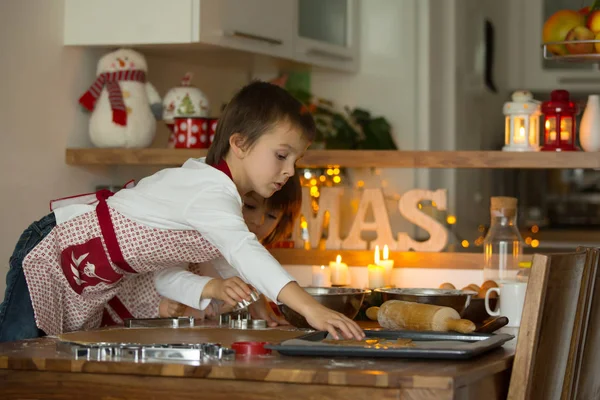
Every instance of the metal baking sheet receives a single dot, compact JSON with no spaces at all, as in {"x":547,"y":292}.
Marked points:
{"x":430,"y":345}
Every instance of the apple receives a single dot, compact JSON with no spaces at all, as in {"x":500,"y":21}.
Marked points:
{"x":584,"y":11}
{"x":558,"y":26}
{"x":580,"y":33}
{"x":593,"y":21}
{"x":597,"y":44}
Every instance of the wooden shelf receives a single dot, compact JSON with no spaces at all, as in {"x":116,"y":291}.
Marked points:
{"x":355,"y":158}
{"x":473,"y":261}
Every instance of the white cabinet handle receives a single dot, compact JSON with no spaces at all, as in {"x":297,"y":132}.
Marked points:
{"x":245,"y":35}
{"x":329,"y":54}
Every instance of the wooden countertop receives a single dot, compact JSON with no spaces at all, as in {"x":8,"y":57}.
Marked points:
{"x":23,"y":361}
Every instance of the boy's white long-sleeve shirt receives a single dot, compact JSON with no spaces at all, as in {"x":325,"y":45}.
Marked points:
{"x":196,"y":197}
{"x":169,"y":282}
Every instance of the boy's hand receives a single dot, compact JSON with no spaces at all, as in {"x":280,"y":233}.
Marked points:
{"x":170,"y":308}
{"x":262,"y":310}
{"x":317,"y":315}
{"x":231,"y":290}
{"x":325,"y":319}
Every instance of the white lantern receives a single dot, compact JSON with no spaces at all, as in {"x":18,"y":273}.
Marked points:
{"x":522,"y":126}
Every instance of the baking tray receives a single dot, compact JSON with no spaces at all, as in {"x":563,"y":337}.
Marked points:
{"x":430,"y":345}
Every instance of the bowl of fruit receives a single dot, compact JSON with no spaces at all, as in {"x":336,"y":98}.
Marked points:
{"x":475,"y":311}
{"x":573,"y":34}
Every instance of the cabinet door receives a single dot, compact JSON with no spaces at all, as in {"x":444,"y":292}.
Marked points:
{"x":538,"y":73}
{"x":257,"y":26}
{"x":327,"y":33}
{"x":118,"y":22}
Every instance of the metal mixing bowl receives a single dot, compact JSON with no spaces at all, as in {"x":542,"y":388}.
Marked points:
{"x":457,"y":299}
{"x":344,"y":300}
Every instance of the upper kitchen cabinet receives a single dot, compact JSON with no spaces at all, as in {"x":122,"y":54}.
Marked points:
{"x":528,"y":68}
{"x":257,"y":26}
{"x":327,"y":33}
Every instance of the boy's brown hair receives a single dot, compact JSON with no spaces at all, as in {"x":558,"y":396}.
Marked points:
{"x":254,"y":110}
{"x":289,"y":201}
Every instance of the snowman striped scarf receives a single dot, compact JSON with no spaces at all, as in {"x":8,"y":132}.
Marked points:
{"x":115,"y":96}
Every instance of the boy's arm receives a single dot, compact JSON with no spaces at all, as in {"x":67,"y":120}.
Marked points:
{"x":183,"y":286}
{"x":216,"y":212}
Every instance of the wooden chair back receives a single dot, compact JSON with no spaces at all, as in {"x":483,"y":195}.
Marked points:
{"x":552,"y":325}
{"x":586,"y":385}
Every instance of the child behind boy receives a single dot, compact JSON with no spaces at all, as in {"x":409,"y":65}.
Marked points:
{"x":75,"y":260}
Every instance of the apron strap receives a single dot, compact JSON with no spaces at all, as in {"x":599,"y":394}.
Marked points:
{"x":108,"y":232}
{"x":107,"y":319}
{"x":117,"y":305}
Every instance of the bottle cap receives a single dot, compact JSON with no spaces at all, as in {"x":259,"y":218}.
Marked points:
{"x":498,"y":203}
{"x":503,"y":206}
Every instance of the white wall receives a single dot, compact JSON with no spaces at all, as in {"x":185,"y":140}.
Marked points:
{"x":40,"y":83}
{"x":387,"y":85}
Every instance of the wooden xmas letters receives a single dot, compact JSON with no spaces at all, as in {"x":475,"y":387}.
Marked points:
{"x":329,"y":202}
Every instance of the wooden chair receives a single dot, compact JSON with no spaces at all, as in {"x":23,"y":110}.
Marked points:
{"x":552,"y":326}
{"x":586,"y":385}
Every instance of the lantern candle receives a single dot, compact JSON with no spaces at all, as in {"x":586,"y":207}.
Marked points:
{"x":559,"y":122}
{"x":339,"y":272}
{"x":321,"y":276}
{"x":521,"y":122}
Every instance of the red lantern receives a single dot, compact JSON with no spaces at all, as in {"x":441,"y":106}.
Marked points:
{"x":559,"y":122}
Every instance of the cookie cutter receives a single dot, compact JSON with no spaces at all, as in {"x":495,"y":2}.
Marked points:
{"x":175,"y":322}
{"x":239,"y":320}
{"x":242,"y":305}
{"x":148,"y":353}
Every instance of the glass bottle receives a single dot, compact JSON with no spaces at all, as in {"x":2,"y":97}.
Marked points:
{"x":503,"y":244}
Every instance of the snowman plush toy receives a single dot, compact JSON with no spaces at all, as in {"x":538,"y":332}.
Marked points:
{"x":123,"y":103}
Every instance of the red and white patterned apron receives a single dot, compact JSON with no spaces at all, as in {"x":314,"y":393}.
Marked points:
{"x":81,"y":265}
{"x":137,"y":298}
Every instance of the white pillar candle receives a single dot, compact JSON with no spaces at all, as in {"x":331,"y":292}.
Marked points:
{"x":321,"y":276}
{"x":376,"y":276}
{"x":388,"y":266}
{"x":339,"y":272}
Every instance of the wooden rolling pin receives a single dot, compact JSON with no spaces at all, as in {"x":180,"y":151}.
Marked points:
{"x":396,"y":314}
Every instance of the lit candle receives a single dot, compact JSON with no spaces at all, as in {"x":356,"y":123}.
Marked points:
{"x":376,"y":276}
{"x":376,"y":272}
{"x":339,"y":272}
{"x":388,"y":265}
{"x":321,"y":276}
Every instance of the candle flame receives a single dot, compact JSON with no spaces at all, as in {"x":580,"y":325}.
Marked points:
{"x":521,"y":132}
{"x":322,"y":267}
{"x":338,"y":259}
{"x":386,"y":252}
{"x":377,"y":255}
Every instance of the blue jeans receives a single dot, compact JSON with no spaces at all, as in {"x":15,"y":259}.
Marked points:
{"x":17,"y":320}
